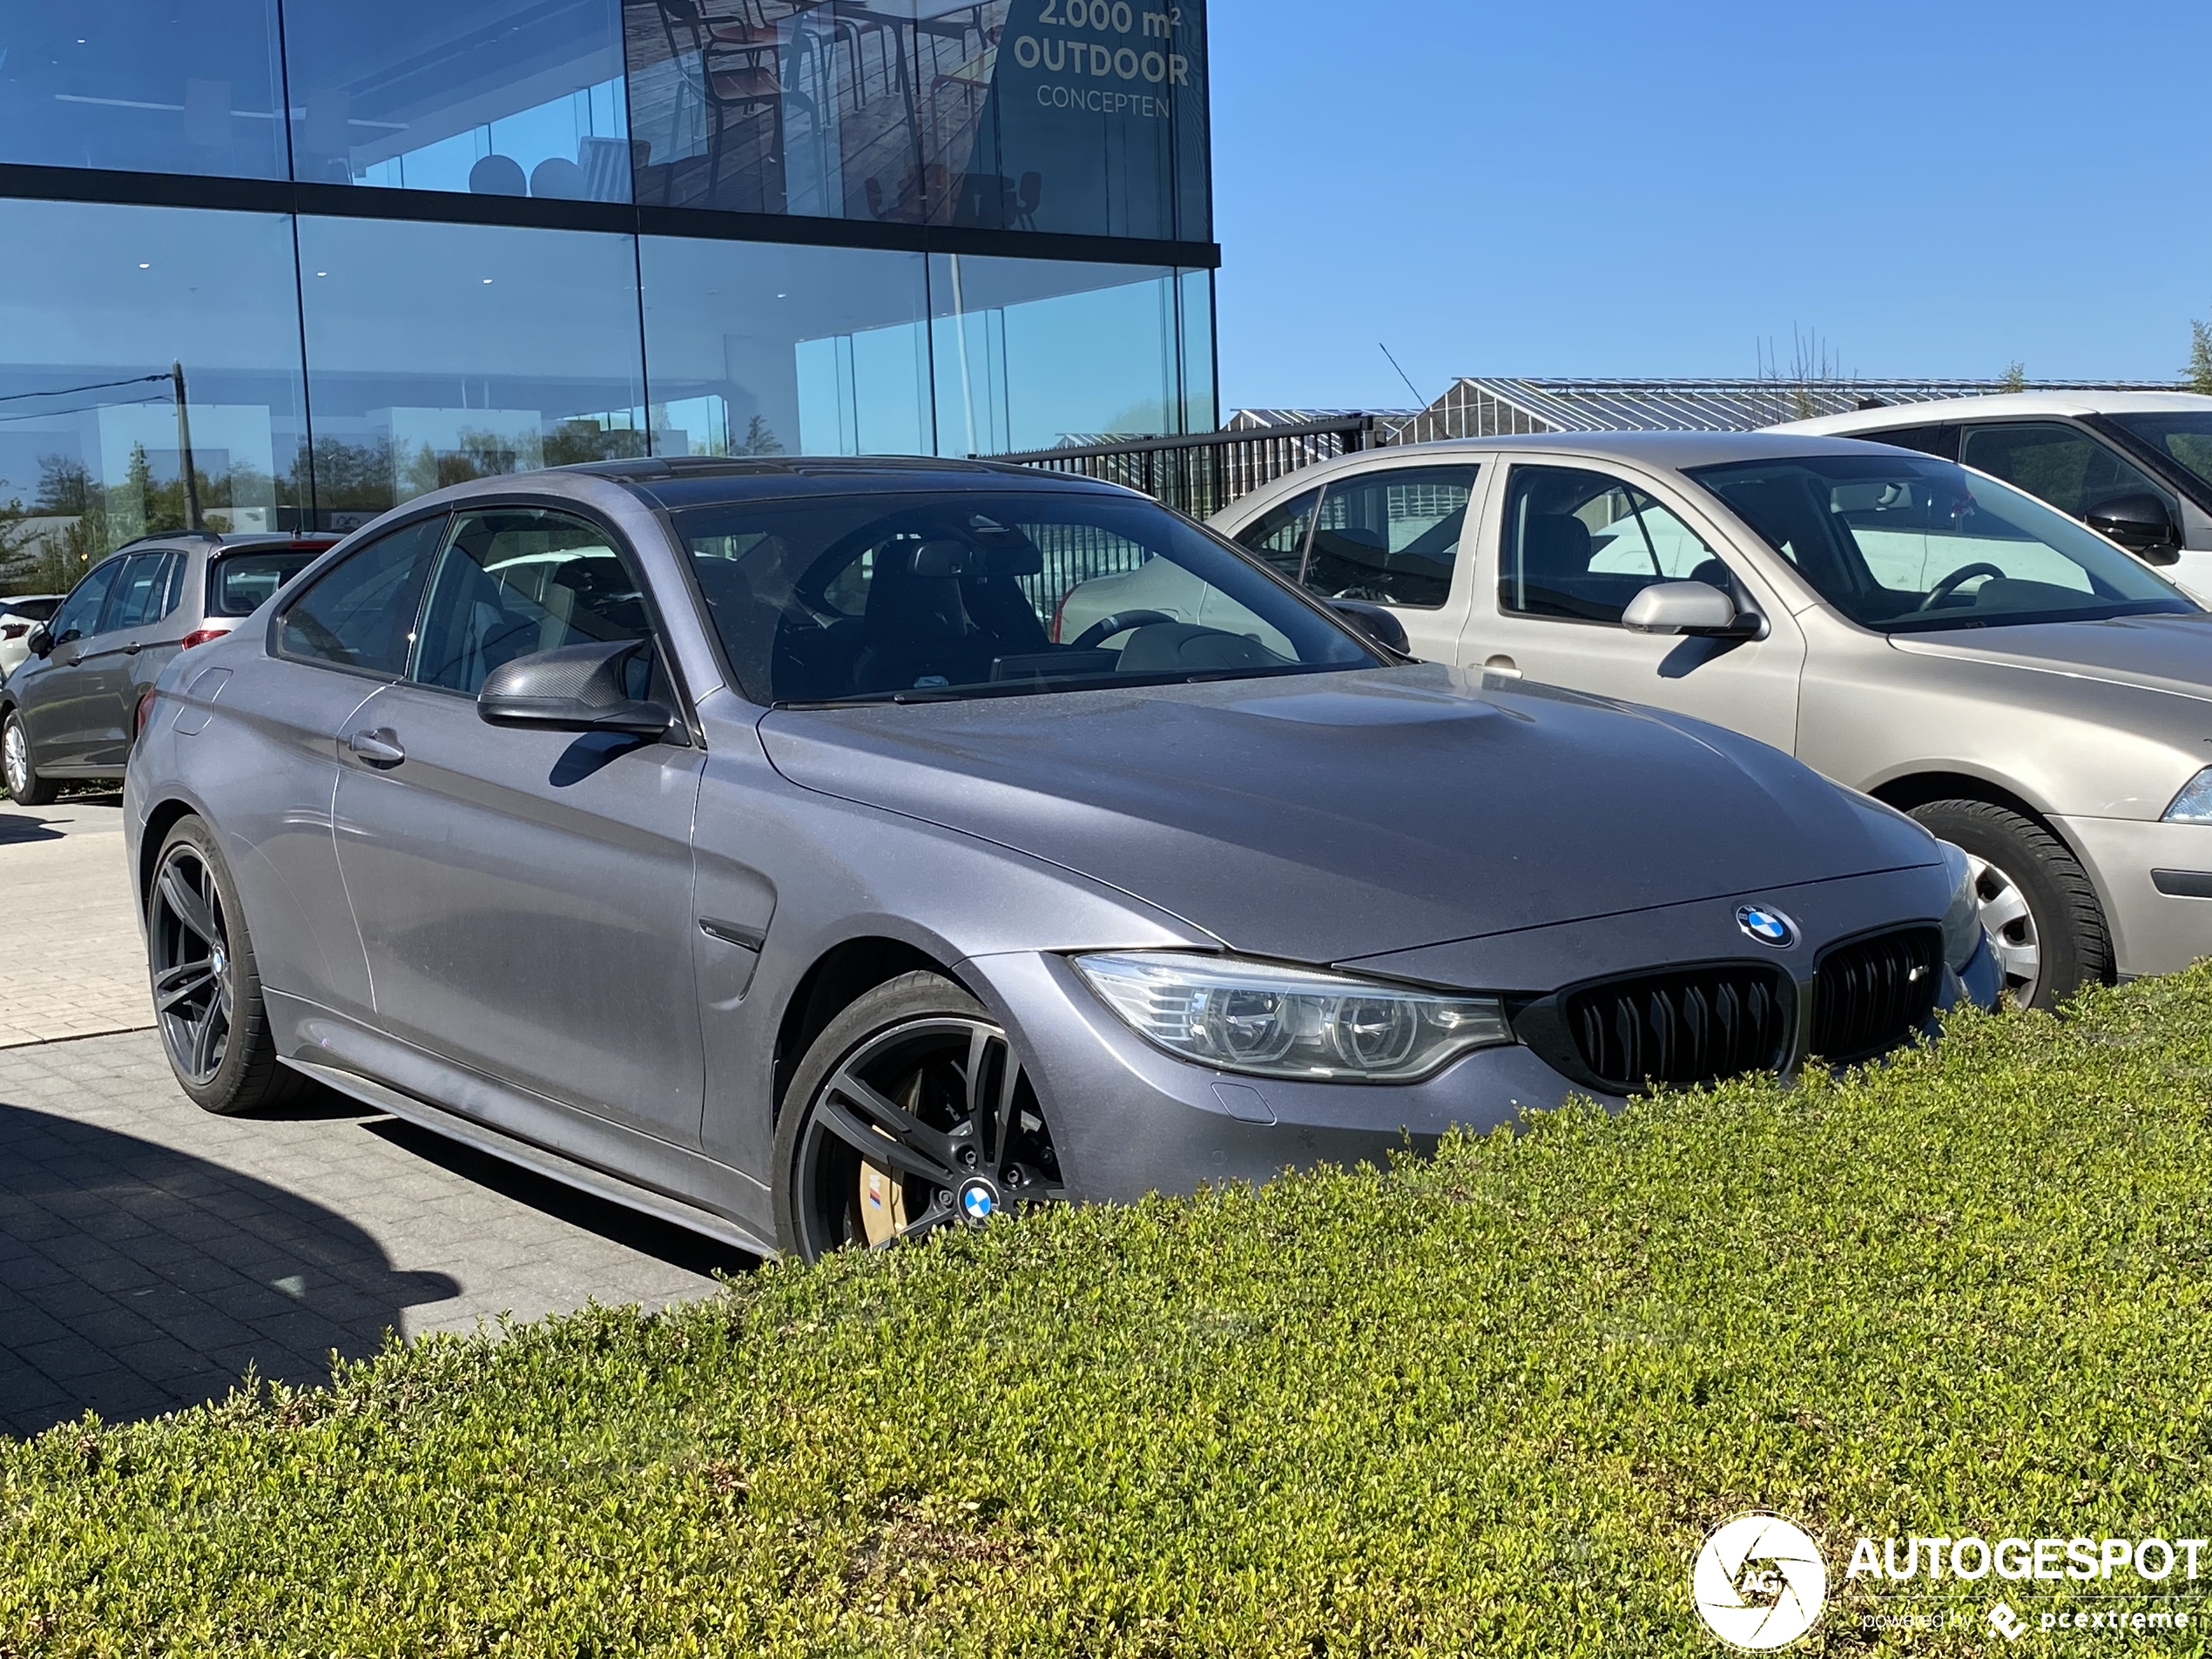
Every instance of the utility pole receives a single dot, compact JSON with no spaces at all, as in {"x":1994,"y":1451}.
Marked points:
{"x":184,"y":448}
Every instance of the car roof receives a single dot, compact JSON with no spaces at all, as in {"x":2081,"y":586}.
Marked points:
{"x":1998,"y":405}
{"x":1675,"y":450}
{"x":685,"y":481}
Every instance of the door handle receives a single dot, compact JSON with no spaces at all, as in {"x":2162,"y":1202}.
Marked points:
{"x":378,"y":745}
{"x":132,"y":649}
{"x":1501,"y":663}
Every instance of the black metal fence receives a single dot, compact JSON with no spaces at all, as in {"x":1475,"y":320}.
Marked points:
{"x":1202,"y":475}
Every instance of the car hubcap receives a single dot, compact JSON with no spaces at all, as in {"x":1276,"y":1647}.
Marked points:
{"x":2010,"y":927}
{"x":17,"y":758}
{"x":929,"y":1124}
{"x":190,"y":955}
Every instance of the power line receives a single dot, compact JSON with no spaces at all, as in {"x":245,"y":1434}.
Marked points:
{"x":96,"y":385}
{"x":87,"y":409}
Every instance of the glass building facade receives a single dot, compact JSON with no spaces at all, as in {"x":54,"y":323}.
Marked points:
{"x":341,"y":253}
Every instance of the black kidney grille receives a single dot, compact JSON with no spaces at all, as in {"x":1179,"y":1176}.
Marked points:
{"x":1692,"y":1025}
{"x":1872,"y":994}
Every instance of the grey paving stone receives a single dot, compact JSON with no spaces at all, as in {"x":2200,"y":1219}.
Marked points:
{"x":141,"y":1250}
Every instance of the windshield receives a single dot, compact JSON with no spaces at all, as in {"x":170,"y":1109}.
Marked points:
{"x":905,"y":598}
{"x":2186,"y":439}
{"x":1908,"y":543}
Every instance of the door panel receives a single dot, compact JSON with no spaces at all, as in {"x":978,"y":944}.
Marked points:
{"x":525,"y":903}
{"x":53,"y":693}
{"x":525,"y":896}
{"x":1564,"y":548}
{"x":129,"y":622}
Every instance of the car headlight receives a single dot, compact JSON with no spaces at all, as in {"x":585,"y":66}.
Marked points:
{"x":1277,"y":1021}
{"x":2193,"y":803}
{"x":1962,"y":920}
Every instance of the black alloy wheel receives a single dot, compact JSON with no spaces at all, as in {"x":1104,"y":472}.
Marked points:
{"x":909,"y":1114}
{"x":206,"y":990}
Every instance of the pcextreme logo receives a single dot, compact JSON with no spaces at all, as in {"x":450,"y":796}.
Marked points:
{"x":1759,"y":1582}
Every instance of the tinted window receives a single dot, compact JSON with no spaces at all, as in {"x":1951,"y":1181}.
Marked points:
{"x":1581,"y":544}
{"x":2187,"y":437}
{"x":1929,"y":439}
{"x":514,"y":582}
{"x":1914,"y":542}
{"x":149,"y":85}
{"x":1278,"y":535}
{"x":1392,"y":536}
{"x":910,"y":598}
{"x":140,"y":595}
{"x":238,"y":582}
{"x":79,"y":614}
{"x":2061,"y":464}
{"x":361,"y":613}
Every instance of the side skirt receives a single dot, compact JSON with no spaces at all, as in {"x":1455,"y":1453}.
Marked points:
{"x":535,"y":1159}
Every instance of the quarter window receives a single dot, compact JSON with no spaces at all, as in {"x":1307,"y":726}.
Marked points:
{"x":2062,"y":464}
{"x":514,"y":581}
{"x":360,"y":613}
{"x":1581,"y":545}
{"x":1391,"y":537}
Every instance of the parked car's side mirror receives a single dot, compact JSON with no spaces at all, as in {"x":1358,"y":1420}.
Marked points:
{"x":39,"y":642}
{"x":2141,"y":524}
{"x":570,"y":688}
{"x":1375,"y":621}
{"x":1695,"y":608}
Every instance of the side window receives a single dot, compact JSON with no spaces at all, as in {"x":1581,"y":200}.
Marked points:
{"x":360,"y":613}
{"x":1278,"y":535}
{"x":516,"y":580}
{"x":79,"y":614}
{"x":1581,"y":545}
{"x":2062,"y":464}
{"x":1928,"y":440}
{"x":1392,"y":536}
{"x":137,"y":597}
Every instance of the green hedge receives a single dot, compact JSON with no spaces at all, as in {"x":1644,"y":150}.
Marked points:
{"x":1487,"y":1404}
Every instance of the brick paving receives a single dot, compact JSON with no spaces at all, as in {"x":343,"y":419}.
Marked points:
{"x":149,"y":1251}
{"x":74,"y":965}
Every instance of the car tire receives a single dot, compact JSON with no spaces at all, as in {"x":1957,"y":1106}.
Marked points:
{"x":206,"y":986}
{"x":25,"y":785}
{"x":2038,"y":904}
{"x":921,"y":1068}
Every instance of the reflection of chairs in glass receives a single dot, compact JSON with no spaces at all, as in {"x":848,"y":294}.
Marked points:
{"x":733,"y":71}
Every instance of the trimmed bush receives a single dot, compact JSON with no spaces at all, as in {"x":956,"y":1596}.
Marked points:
{"x":1486,"y":1403}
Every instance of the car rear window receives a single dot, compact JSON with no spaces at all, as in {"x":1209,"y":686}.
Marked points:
{"x":34,"y":607}
{"x":238,"y":582}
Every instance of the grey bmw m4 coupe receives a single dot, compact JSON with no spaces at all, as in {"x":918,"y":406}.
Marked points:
{"x":735,"y":839}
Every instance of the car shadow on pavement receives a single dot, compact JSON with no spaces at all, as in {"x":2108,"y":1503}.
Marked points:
{"x":647,"y":1234}
{"x":136,"y":1279}
{"x":17,"y":828}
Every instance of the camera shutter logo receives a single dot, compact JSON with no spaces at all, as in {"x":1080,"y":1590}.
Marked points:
{"x":1758,"y":1582}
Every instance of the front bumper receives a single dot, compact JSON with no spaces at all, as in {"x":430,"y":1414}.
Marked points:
{"x":1144,"y":1120}
{"x":2152,"y":932}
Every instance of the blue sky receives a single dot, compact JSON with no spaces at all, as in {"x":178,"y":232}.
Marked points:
{"x":1599,"y":187}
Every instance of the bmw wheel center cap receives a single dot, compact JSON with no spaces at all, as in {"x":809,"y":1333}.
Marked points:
{"x":1767,"y":925}
{"x":979,"y":1200}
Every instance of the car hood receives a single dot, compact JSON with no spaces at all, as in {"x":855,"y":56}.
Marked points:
{"x":2171,"y":654}
{"x":1322,"y":818}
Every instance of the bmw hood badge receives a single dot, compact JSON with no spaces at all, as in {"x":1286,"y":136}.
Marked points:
{"x":1767,"y":925}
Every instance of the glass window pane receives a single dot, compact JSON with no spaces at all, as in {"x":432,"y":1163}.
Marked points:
{"x":756,"y":349}
{"x":440,"y":353}
{"x":93,"y":332}
{"x":512,"y":583}
{"x":2061,"y":464}
{"x":360,"y":613}
{"x":1083,"y":115}
{"x":501,"y":98}
{"x":79,"y":614}
{"x":1278,"y":535}
{"x":1581,"y":545}
{"x":136,"y":598}
{"x":238,"y":582}
{"x":1391,"y":537}
{"x":141,"y":86}
{"x":1033,"y":353}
